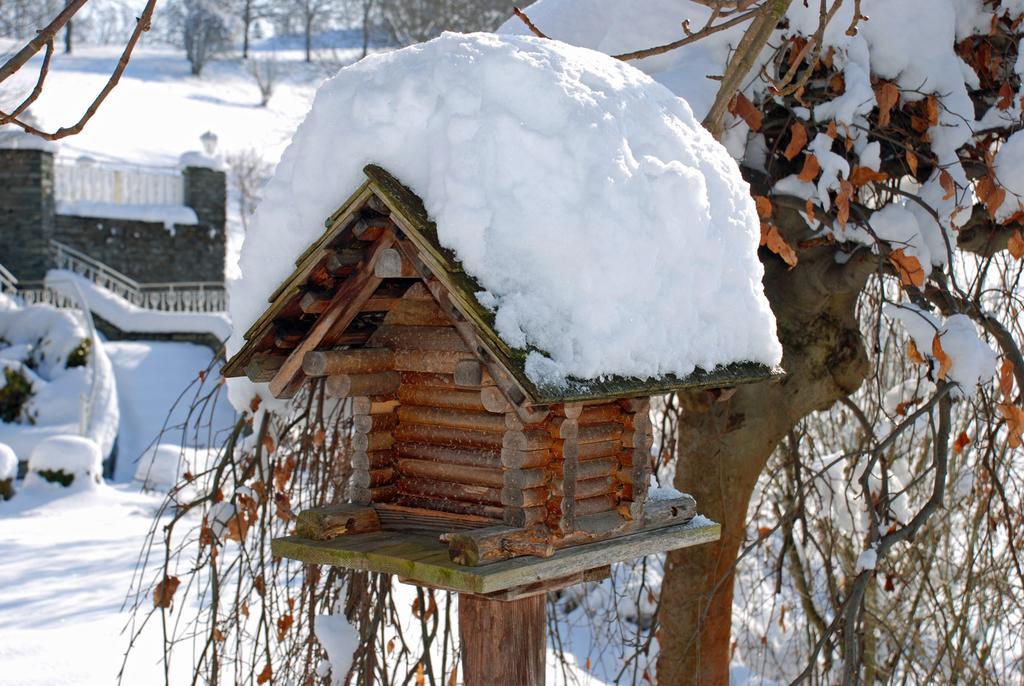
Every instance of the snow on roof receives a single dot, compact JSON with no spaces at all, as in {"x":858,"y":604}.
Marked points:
{"x":605,"y":225}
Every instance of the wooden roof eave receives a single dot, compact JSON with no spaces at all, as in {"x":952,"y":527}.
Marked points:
{"x":279,"y":299}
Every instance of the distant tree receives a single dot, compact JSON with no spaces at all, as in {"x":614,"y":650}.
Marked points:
{"x":314,"y":14}
{"x":265,"y":71}
{"x":368,"y":9}
{"x":206,"y":31}
{"x":248,"y":173}
{"x":248,"y":12}
{"x":415,"y":21}
{"x":68,"y":34}
{"x":22,"y":18}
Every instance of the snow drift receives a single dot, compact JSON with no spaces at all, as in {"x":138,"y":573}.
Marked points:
{"x":607,"y":227}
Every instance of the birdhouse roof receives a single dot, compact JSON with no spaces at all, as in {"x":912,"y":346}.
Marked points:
{"x":340,"y":291}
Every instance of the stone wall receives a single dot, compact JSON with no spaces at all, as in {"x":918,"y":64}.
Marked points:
{"x":145,"y":251}
{"x":26,"y":211}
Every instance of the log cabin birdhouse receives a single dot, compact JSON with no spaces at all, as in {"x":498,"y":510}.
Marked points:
{"x":587,"y":245}
{"x":452,"y":439}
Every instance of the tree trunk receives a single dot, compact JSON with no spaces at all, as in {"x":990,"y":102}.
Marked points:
{"x":309,"y":38}
{"x":367,"y":6}
{"x":246,"y":24}
{"x":723,"y":447}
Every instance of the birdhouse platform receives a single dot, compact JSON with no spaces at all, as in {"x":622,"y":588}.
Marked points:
{"x":423,"y":560}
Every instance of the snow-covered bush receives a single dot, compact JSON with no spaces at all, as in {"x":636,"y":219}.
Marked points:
{"x":8,"y":471}
{"x":53,"y":376}
{"x":45,"y":339}
{"x":15,"y":393}
{"x":66,"y":460}
{"x":38,"y":344}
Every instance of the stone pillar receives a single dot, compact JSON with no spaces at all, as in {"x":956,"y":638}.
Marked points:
{"x":26,"y":211}
{"x":206,"y":192}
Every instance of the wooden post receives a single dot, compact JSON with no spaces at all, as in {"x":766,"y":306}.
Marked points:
{"x":503,"y":641}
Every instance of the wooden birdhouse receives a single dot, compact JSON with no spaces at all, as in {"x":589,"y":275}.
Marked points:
{"x":460,"y":461}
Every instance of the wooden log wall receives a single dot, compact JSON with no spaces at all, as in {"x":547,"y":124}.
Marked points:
{"x":432,"y":431}
{"x":373,"y":456}
{"x":447,"y":445}
{"x":635,"y":465}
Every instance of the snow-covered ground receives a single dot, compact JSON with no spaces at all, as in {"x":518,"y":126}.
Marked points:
{"x":68,"y":555}
{"x":67,"y":564}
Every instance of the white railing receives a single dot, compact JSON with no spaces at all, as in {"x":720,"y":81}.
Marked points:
{"x":41,"y":295}
{"x":8,"y":283}
{"x":91,"y":182}
{"x":180,"y":296}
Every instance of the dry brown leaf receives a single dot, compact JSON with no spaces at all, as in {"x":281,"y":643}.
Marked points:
{"x":832,"y":132}
{"x":887,"y":95}
{"x":901,"y":408}
{"x":912,"y":161}
{"x":931,"y":107}
{"x":912,"y":353}
{"x":391,"y":645}
{"x":318,"y":437}
{"x":421,"y":676}
{"x":453,"y":677}
{"x":837,"y":83}
{"x":796,"y":49}
{"x":864,"y":175}
{"x":773,"y":240}
{"x":268,"y":444}
{"x":962,"y":441}
{"x":1014,"y":423}
{"x":236,"y":527}
{"x":260,"y":585}
{"x":797,"y":140}
{"x":843,"y":202}
{"x":266,"y":675}
{"x":164,"y":592}
{"x":990,"y":193}
{"x":283,"y":473}
{"x":283,"y":507}
{"x":1006,"y":379}
{"x":908,"y":267}
{"x":218,"y":635}
{"x":811,"y":168}
{"x":945,"y":363}
{"x":743,"y":108}
{"x":1016,"y":245}
{"x":809,"y":209}
{"x":948,"y":185}
{"x":764,"y":206}
{"x":1005,"y":96}
{"x":283,"y":625}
